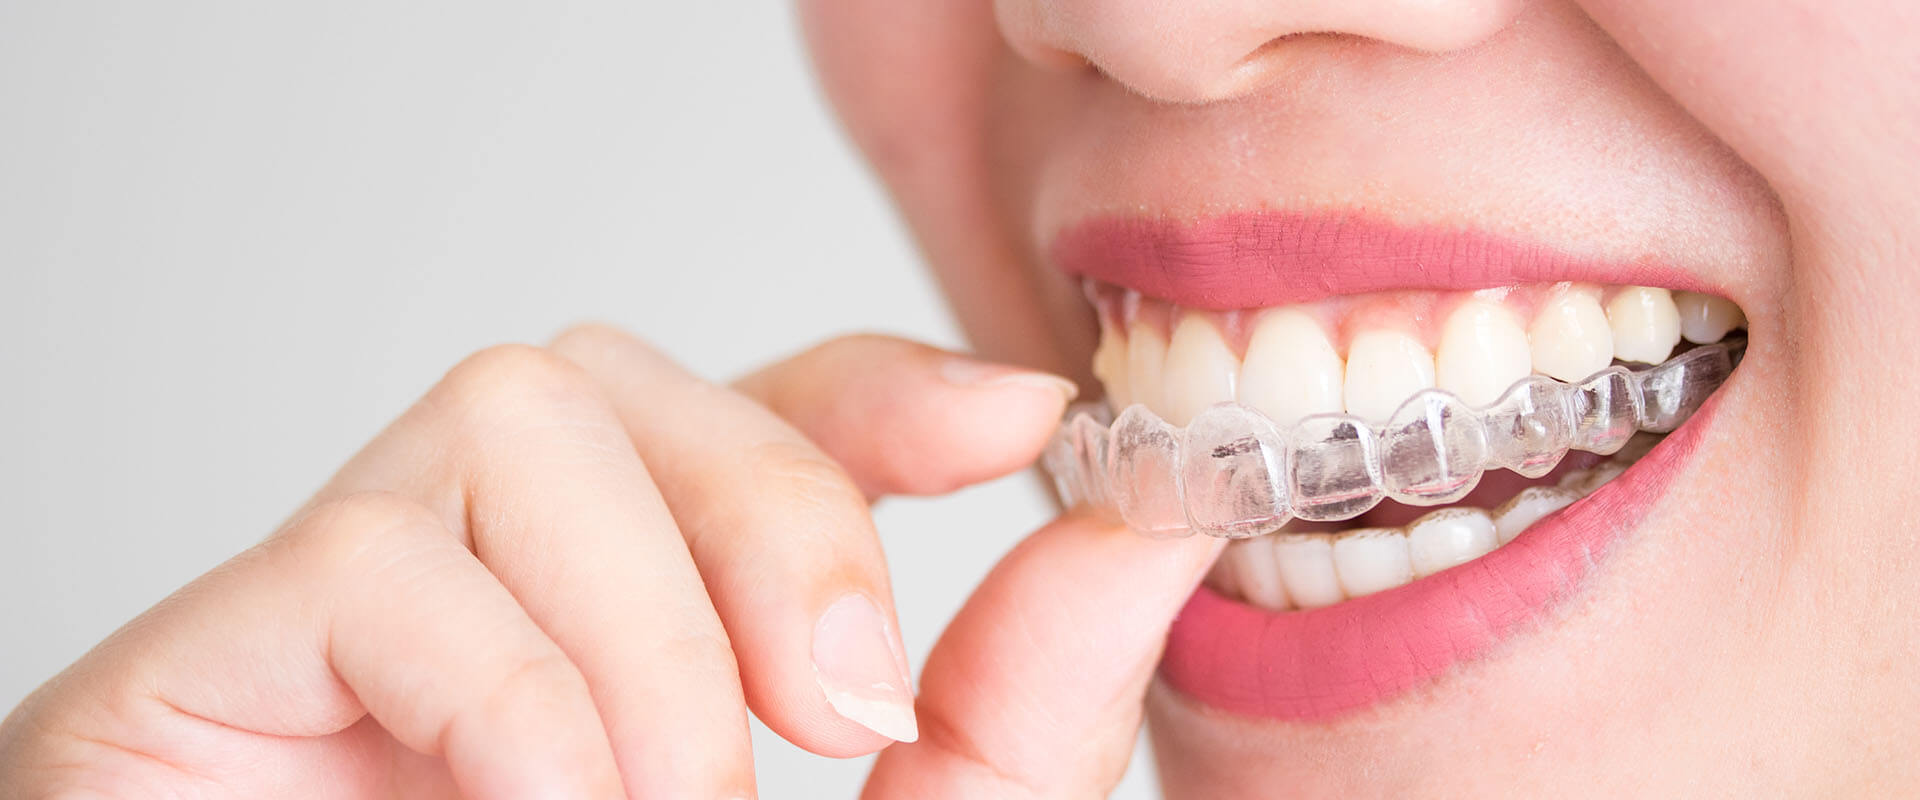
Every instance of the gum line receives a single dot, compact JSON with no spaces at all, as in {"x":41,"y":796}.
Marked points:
{"x":1232,"y":472}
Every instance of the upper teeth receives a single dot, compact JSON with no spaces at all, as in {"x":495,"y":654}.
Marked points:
{"x":1646,"y":324}
{"x":1384,"y":367}
{"x":1236,"y":423}
{"x":1483,"y":350}
{"x":1231,"y":445}
{"x":1704,"y":318}
{"x":1571,"y":338}
{"x":1291,"y":369}
{"x":1200,"y":369}
{"x":1288,"y":362}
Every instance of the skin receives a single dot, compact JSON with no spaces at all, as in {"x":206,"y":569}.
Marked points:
{"x":545,"y":580}
{"x":1765,"y":150}
{"x":474,"y":604}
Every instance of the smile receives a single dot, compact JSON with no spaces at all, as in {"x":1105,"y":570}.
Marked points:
{"x":1417,"y":440}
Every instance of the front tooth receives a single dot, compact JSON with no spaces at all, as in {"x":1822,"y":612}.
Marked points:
{"x":1705,"y":319}
{"x":1384,"y":368}
{"x":1528,"y":507}
{"x":1306,"y":567}
{"x":1146,"y":354}
{"x":1256,"y":573}
{"x":1291,"y":369}
{"x":1110,"y":366}
{"x":1200,"y":370}
{"x":1369,"y":560}
{"x":1646,"y":324}
{"x":1570,"y":337}
{"x":1448,"y":538}
{"x":1483,"y":351}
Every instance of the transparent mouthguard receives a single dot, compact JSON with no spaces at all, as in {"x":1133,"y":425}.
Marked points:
{"x":1233,"y":473}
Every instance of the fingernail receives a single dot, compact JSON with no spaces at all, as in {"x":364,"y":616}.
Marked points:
{"x":859,"y":669}
{"x":971,"y":373}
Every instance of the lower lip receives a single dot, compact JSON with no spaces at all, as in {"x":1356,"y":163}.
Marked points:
{"x":1319,"y":664}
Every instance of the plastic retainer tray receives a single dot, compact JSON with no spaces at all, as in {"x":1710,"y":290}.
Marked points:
{"x":1232,"y":472}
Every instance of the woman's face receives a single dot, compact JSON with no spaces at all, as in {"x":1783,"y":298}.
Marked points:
{"x":1733,"y":616}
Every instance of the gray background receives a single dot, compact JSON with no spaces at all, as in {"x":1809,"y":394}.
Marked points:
{"x":238,"y":237}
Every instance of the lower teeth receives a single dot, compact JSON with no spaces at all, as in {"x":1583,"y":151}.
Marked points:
{"x":1310,"y":569}
{"x":1233,"y":473}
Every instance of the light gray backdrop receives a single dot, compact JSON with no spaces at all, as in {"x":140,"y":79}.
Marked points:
{"x":238,"y":237}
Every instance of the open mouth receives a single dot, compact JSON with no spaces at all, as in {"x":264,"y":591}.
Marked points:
{"x":1411,"y":461}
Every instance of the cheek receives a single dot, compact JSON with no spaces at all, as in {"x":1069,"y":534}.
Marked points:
{"x":921,"y":89}
{"x":907,"y":79}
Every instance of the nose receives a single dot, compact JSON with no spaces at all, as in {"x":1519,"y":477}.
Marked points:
{"x":1196,"y":51}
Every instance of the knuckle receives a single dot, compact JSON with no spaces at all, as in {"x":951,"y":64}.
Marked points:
{"x":528,"y":686}
{"x":808,"y":475}
{"x":591,"y":336}
{"x":706,"y":647}
{"x":377,"y":510}
{"x":513,"y":369}
{"x":339,"y":538}
{"x":538,"y":677}
{"x":508,"y":383}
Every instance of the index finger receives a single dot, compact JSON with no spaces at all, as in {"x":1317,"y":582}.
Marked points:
{"x":906,"y":418}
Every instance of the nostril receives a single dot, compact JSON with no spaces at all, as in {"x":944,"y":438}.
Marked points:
{"x":1175,"y":53}
{"x":1193,"y":84}
{"x":1259,"y":66}
{"x":1046,"y":56}
{"x":1203,"y":51}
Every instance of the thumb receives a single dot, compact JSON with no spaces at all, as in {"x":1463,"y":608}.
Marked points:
{"x":1036,"y":688}
{"x":906,"y":418}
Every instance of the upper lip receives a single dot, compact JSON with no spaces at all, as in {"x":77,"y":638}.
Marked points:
{"x":1272,"y":258}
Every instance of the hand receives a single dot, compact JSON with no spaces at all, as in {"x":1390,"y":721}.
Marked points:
{"x":570,"y":571}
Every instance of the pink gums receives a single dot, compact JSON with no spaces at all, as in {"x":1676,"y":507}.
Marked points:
{"x":1316,"y":664}
{"x":1258,"y":259}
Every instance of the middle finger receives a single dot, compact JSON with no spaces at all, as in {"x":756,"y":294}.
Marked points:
{"x":785,"y":540}
{"x":525,"y":456}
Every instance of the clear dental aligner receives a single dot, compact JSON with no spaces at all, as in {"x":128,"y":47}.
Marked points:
{"x":1231,"y":472}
